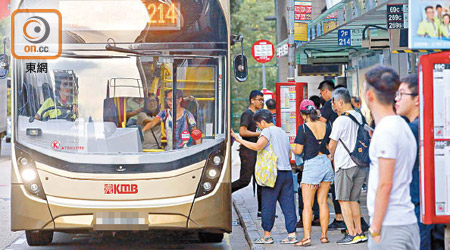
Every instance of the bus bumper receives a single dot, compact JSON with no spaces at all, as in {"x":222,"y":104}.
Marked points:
{"x":211,"y":213}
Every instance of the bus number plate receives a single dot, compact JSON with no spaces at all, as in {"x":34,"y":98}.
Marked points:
{"x":125,"y":220}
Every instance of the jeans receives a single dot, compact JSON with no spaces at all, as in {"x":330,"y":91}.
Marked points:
{"x":284,"y":193}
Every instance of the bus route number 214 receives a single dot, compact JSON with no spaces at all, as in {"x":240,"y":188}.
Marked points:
{"x":163,"y":16}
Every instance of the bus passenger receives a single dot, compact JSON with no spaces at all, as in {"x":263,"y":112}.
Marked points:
{"x":312,"y":139}
{"x":134,"y":107}
{"x":283,"y":191}
{"x":185,"y":122}
{"x":64,"y":106}
{"x":152,"y":137}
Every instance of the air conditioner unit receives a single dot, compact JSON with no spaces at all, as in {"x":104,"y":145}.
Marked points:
{"x":376,"y":39}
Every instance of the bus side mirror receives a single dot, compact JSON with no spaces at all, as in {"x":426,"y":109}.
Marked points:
{"x":240,"y":68}
{"x":4,"y":62}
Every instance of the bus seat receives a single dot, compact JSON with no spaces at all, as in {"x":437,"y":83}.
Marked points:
{"x":29,"y":104}
{"x":109,"y":111}
{"x":47,"y":91}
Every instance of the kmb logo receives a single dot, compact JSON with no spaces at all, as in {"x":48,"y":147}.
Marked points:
{"x":36,"y":33}
{"x":121,"y":189}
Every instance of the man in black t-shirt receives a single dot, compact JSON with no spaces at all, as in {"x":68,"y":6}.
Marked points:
{"x":327,"y":114}
{"x":248,"y":132}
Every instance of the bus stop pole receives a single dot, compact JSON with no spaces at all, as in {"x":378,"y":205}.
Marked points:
{"x":264,"y":75}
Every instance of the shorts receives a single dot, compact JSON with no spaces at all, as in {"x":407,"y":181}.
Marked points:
{"x":348,"y":183}
{"x":317,"y":170}
{"x":397,"y":237}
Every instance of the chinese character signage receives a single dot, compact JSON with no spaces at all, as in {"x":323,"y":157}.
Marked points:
{"x":429,"y":26}
{"x":303,"y":11}
{"x":302,"y":16}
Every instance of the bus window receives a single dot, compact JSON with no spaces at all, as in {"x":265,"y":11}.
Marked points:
{"x":195,"y":84}
{"x":83,"y":105}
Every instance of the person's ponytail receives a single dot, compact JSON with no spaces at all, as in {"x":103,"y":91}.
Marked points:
{"x":314,"y":114}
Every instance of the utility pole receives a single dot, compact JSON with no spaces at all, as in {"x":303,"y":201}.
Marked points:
{"x":291,"y":43}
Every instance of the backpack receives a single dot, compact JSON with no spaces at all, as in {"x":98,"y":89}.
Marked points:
{"x":360,"y":154}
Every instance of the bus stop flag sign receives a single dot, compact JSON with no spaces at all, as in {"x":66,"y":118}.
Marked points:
{"x":263,"y":51}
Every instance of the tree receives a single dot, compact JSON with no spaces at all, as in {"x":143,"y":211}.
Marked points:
{"x":247,"y":19}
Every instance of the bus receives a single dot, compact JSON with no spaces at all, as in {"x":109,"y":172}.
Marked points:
{"x":79,"y":161}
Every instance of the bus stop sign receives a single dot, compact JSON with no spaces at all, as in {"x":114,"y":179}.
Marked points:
{"x":263,"y":51}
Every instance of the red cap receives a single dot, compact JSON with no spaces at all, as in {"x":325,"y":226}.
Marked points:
{"x":305,"y":103}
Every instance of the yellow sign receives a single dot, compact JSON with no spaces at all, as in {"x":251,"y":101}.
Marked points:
{"x":301,"y":32}
{"x":330,"y":25}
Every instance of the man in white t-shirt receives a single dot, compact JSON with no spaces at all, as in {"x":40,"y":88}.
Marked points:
{"x":392,"y":154}
{"x":349,"y":178}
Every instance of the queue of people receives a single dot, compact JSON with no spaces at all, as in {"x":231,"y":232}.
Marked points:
{"x":327,"y":142}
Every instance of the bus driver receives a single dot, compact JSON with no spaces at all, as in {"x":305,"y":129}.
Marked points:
{"x":65,"y":98}
{"x":185,"y":122}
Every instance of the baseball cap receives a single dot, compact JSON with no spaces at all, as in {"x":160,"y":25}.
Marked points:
{"x":305,"y":103}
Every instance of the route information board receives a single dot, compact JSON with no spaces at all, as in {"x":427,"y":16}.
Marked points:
{"x":441,"y":104}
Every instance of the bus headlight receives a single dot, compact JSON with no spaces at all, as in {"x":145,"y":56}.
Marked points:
{"x":217,"y":160}
{"x":211,"y":173}
{"x":207,"y":186}
{"x":28,"y":175}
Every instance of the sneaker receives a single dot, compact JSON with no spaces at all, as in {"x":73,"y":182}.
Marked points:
{"x":348,"y":239}
{"x":362,"y":237}
{"x":335,"y":225}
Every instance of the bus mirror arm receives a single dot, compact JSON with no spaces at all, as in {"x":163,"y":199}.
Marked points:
{"x":240,"y":61}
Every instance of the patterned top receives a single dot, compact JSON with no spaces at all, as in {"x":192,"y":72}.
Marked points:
{"x":182,"y":125}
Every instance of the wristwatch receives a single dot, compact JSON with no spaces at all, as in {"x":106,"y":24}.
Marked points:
{"x":373,"y":234}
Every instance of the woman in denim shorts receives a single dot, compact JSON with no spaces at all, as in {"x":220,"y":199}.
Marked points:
{"x":318,"y":174}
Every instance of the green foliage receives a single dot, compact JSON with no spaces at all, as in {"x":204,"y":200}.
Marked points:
{"x":247,"y":19}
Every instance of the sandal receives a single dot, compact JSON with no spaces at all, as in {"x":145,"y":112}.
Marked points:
{"x":289,"y":240}
{"x":264,"y":240}
{"x":324,"y":239}
{"x":306,"y":242}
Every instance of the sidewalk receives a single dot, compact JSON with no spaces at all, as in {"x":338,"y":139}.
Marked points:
{"x":246,"y":206}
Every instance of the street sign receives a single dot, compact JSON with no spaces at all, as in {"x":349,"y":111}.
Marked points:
{"x":397,"y":16}
{"x":263,"y":51}
{"x":344,"y":37}
{"x":348,"y":37}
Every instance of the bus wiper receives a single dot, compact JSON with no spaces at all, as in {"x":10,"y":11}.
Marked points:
{"x":131,"y":51}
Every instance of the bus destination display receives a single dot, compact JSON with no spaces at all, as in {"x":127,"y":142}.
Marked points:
{"x":163,"y":16}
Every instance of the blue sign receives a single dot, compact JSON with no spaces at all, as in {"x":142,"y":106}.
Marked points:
{"x":344,"y":37}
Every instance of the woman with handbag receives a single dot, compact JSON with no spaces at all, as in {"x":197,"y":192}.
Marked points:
{"x":318,"y":174}
{"x":273,"y":172}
